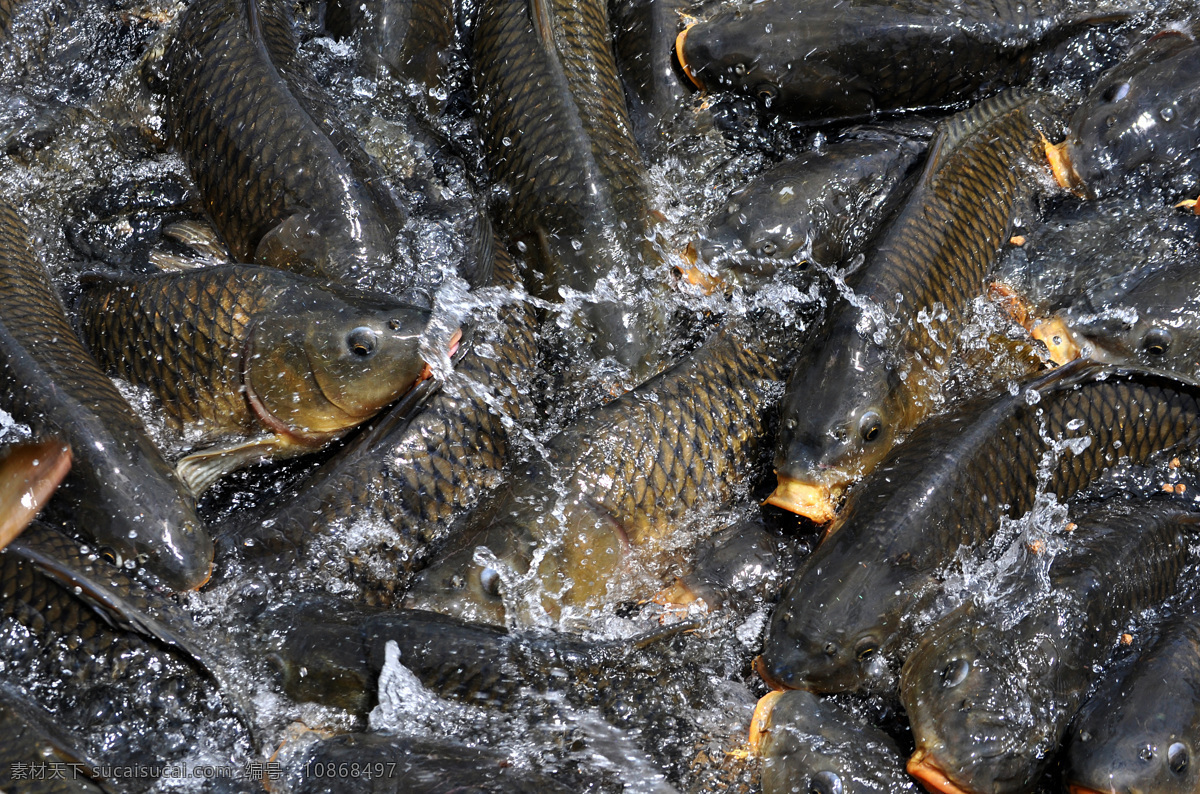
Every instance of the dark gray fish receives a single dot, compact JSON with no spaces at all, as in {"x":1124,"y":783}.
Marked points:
{"x":1140,"y":732}
{"x":32,"y":739}
{"x":849,"y":608}
{"x":990,"y":689}
{"x":812,"y":745}
{"x":822,"y":207}
{"x":120,"y":490}
{"x":827,"y":60}
{"x":1140,"y":120}
{"x":881,"y":367}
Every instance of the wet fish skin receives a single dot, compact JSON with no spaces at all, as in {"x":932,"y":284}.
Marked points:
{"x":822,"y":206}
{"x":119,"y":484}
{"x":557,"y":137}
{"x":1156,"y":324}
{"x":1155,"y":708}
{"x":283,"y":186}
{"x":32,"y":737}
{"x":412,"y":474}
{"x":827,"y":61}
{"x":945,"y":488}
{"x":989,"y":702}
{"x":879,"y":371}
{"x":239,"y":350}
{"x":1140,"y":116}
{"x":624,"y":475}
{"x":813,"y":744}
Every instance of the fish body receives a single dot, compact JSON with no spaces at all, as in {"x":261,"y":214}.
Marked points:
{"x":32,"y":739}
{"x":831,"y":60}
{"x":620,"y":477}
{"x":120,"y":490}
{"x":283,"y":185}
{"x":989,"y":701}
{"x":242,"y":352}
{"x":848,"y":610}
{"x":879,"y":372}
{"x":1139,"y":732}
{"x":1139,"y":120}
{"x":558,"y":140}
{"x":813,"y":744}
{"x":822,"y":206}
{"x":412,"y":474}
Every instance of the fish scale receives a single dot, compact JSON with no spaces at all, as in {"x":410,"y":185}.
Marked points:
{"x":628,"y":473}
{"x":415,"y":476}
{"x":225,"y":94}
{"x":947,"y":487}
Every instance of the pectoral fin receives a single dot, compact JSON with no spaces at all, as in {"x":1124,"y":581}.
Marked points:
{"x":201,"y":469}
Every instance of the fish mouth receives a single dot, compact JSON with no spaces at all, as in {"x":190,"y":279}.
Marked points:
{"x":693,"y":275}
{"x":1074,"y":788}
{"x":1057,"y":338}
{"x":931,"y":776}
{"x":760,"y":667}
{"x":679,"y":42}
{"x":1058,"y":155}
{"x":814,"y":502}
{"x":760,"y":723}
{"x":451,"y":349}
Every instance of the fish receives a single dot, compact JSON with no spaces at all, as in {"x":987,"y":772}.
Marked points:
{"x":1137,"y":121}
{"x":741,"y":562}
{"x":620,"y":478}
{"x":848,"y":611}
{"x":828,"y":61}
{"x":823,"y":206}
{"x":283,"y":185}
{"x":251,"y":362}
{"x":120,"y":490}
{"x":1155,"y":324}
{"x":558,"y":141}
{"x":414,"y":474}
{"x":880,"y":368}
{"x":991,"y":687}
{"x":815,"y":745}
{"x":1138,"y":732}
{"x":30,"y":472}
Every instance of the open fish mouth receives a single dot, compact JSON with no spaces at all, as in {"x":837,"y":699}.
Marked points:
{"x":813,"y":501}
{"x":931,"y":776}
{"x":760,"y":723}
{"x":679,"y":42}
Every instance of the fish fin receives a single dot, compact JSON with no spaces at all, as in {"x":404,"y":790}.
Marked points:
{"x":951,"y":132}
{"x":201,"y":469}
{"x":543,"y":24}
{"x":100,"y":279}
{"x":201,"y":238}
{"x":174,"y":263}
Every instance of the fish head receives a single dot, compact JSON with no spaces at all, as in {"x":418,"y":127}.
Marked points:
{"x":841,"y":415}
{"x":821,"y":641}
{"x":976,"y":707}
{"x":1137,"y":116}
{"x":460,"y":586}
{"x":1139,"y":760}
{"x":333,"y":358}
{"x":761,"y":228}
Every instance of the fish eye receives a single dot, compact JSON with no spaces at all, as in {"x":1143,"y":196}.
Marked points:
{"x":489,"y":580}
{"x":865,"y":650}
{"x":1115,"y":93}
{"x":955,"y":673}
{"x":1177,"y":758}
{"x":767,"y":93}
{"x":1110,"y":121}
{"x":825,"y":783}
{"x":1157,"y":341}
{"x":767,"y":248}
{"x":108,"y":554}
{"x":361,"y":341}
{"x":870,"y":426}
